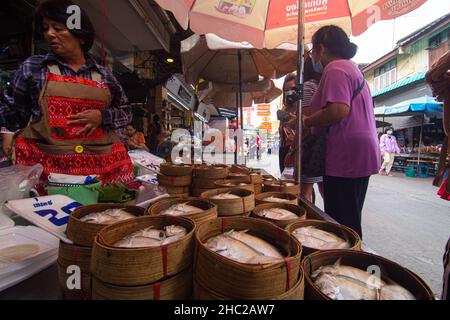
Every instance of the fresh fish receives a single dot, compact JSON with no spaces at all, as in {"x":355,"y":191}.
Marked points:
{"x":277,"y":214}
{"x":395,"y":292}
{"x":137,"y":242}
{"x":151,"y":237}
{"x":180,"y":210}
{"x":237,"y":250}
{"x":225,"y":196}
{"x":315,"y":238}
{"x":257,"y":244}
{"x":347,"y":283}
{"x":276,"y":200}
{"x":109,"y":216}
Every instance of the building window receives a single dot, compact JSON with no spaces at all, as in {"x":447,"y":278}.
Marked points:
{"x":386,"y":75}
{"x":435,"y":41}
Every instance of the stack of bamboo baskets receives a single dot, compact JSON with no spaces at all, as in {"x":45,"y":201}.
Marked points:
{"x":146,"y":273}
{"x":205,"y":176}
{"x":82,"y":234}
{"x":217,"y":277}
{"x":209,"y":209}
{"x":241,"y":206}
{"x":175,"y":178}
{"x":247,"y":175}
{"x":283,"y":186}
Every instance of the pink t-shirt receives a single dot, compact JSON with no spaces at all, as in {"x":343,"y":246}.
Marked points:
{"x":352,"y":146}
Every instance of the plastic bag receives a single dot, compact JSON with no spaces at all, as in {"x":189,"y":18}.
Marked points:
{"x":16,"y":182}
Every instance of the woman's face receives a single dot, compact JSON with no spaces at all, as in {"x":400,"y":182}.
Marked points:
{"x":61,"y":41}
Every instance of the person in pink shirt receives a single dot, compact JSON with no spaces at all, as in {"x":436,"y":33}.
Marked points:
{"x":389,"y":147}
{"x":342,"y":109}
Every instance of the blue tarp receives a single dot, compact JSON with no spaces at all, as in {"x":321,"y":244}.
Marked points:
{"x":426,"y":104}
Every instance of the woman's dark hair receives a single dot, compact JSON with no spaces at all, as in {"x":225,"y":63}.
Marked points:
{"x":57,"y":10}
{"x":290,"y":77}
{"x":309,"y":73}
{"x":336,"y":41}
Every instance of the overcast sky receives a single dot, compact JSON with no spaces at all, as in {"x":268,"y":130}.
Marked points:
{"x":381,"y":37}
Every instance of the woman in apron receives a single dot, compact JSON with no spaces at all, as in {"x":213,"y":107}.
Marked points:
{"x":67,"y":106}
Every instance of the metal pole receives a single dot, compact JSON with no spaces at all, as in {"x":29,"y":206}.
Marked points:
{"x":234,"y":138}
{"x":300,"y":64}
{"x":420,"y":143}
{"x":241,"y":107}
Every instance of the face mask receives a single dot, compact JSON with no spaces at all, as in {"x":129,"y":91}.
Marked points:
{"x":390,"y":133}
{"x":291,"y":97}
{"x":318,"y":67}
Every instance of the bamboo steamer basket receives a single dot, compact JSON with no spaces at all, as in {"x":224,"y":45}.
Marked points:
{"x":239,"y":177}
{"x":178,"y":287}
{"x":256,"y":178}
{"x":181,"y":195}
{"x":177,"y":190}
{"x":232,"y":207}
{"x":299,"y":211}
{"x":171,"y":181}
{"x":340,"y":230}
{"x":243,"y":281}
{"x":171,"y":169}
{"x":209,"y":209}
{"x":258,"y":188}
{"x":198,"y":192}
{"x":234,"y":184}
{"x":211,"y":172}
{"x":204,"y":183}
{"x":72,"y":255}
{"x":281,"y":186}
{"x":362,"y":260}
{"x":293,"y":294}
{"x":260,"y":197}
{"x":141,"y":266}
{"x":83,"y":233}
{"x":236,"y":168}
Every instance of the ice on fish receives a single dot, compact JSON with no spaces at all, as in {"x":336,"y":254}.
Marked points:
{"x":276,"y":200}
{"x":316,"y":238}
{"x":109,"y":216}
{"x":242,"y":247}
{"x":151,"y":237}
{"x":225,"y":196}
{"x":341,"y":282}
{"x":180,"y":210}
{"x":277,"y":214}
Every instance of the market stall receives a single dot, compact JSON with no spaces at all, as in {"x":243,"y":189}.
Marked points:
{"x":421,"y":160}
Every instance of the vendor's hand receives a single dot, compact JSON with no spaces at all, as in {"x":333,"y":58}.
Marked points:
{"x":303,"y":121}
{"x":92,"y":119}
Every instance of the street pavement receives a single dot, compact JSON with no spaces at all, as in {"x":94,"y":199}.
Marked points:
{"x":403,"y":220}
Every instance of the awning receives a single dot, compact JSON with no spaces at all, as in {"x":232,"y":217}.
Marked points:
{"x":424,"y":105}
{"x":402,"y":83}
{"x":132,"y":25}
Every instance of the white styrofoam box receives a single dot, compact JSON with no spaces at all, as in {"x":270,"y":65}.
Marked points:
{"x":27,"y":272}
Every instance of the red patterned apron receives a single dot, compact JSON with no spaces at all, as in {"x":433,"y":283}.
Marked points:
{"x":54,"y":144}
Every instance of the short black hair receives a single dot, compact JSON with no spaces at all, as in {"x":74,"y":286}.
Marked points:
{"x":57,"y":10}
{"x":336,"y":41}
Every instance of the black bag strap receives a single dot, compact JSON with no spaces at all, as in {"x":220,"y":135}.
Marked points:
{"x":358,"y":91}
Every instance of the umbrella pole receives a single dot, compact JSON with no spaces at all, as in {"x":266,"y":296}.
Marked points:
{"x":420,"y":143}
{"x":241,"y":107}
{"x":234,"y":136}
{"x":300,"y":64}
